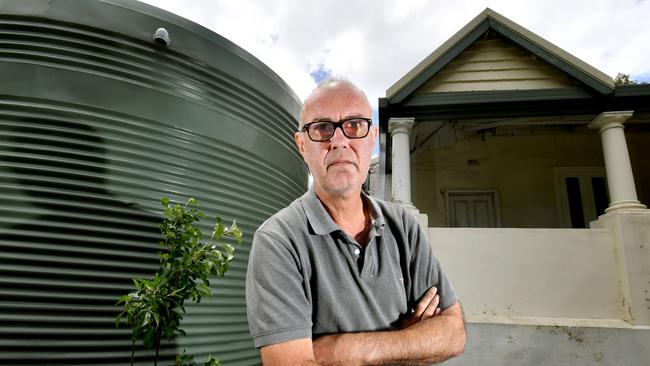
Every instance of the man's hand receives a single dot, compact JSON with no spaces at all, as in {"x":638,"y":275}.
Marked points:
{"x":426,"y":308}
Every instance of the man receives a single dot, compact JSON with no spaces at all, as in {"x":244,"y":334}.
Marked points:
{"x":338,"y":277}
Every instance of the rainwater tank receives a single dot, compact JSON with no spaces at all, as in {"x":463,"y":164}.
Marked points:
{"x":98,"y":121}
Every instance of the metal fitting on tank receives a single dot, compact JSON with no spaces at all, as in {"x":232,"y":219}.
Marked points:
{"x":161,"y":37}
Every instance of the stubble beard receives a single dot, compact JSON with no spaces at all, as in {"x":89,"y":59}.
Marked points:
{"x":341,"y":183}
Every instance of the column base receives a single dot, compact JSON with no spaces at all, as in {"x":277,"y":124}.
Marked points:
{"x":408,"y":205}
{"x":422,"y":217}
{"x":625,"y":206}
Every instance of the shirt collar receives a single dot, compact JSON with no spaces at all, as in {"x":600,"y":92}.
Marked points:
{"x":321,"y":222}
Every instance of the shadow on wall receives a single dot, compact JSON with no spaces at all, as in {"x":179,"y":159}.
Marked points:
{"x":70,"y":248}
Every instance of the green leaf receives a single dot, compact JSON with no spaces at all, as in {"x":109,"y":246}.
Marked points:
{"x":229,"y":251}
{"x":149,"y":338}
{"x":118,"y":318}
{"x":238,"y":236}
{"x":212,"y":361}
{"x":204,"y":289}
{"x":164,"y":201}
{"x":233,"y":226}
{"x":192,"y":202}
{"x":219,"y":229}
{"x":156,"y":317}
{"x":184,"y":360}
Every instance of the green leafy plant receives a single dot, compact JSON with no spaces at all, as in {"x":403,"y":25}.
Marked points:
{"x":188,"y":360}
{"x":155,"y":309}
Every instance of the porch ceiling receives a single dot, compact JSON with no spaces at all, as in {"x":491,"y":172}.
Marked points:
{"x":485,"y":110}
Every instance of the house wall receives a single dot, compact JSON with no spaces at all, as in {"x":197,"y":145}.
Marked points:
{"x":518,"y":163}
{"x":493,"y":64}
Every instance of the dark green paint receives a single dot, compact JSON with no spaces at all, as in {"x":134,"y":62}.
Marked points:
{"x":96,"y":124}
{"x":450,"y":98}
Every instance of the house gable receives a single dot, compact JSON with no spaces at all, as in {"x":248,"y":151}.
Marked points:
{"x":491,"y":63}
{"x":492,"y":29}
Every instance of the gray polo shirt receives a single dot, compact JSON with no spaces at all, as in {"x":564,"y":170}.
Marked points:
{"x":306,"y":277}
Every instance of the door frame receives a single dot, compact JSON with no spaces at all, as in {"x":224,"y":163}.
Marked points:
{"x":493,"y":192}
{"x":586,"y":192}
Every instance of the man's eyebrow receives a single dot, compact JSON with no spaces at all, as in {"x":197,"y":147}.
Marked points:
{"x":328,"y":119}
{"x":321,"y":119}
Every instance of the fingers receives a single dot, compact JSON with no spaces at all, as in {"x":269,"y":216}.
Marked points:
{"x":431,"y":309}
{"x":426,"y":307}
{"x":425,"y":301}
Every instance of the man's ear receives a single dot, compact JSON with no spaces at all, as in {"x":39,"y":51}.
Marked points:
{"x":299,"y":142}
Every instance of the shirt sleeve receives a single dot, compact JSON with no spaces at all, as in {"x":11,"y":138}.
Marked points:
{"x":425,"y":269}
{"x":277,"y":307}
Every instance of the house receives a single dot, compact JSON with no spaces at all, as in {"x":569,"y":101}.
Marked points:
{"x":528,"y":168}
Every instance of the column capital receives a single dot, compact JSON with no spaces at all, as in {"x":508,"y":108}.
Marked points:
{"x":400,"y":125}
{"x":607,"y":120}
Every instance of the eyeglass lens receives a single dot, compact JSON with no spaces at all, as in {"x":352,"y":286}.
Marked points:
{"x":352,"y":128}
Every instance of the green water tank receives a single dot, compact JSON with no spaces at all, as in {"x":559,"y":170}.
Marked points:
{"x":105,"y":107}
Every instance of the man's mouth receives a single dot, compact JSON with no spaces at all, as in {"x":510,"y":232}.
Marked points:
{"x":339,"y":162}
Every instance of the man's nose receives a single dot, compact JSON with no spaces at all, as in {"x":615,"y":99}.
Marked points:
{"x":339,"y":139}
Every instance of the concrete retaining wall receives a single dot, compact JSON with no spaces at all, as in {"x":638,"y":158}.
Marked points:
{"x":539,"y":273}
{"x":508,"y":344}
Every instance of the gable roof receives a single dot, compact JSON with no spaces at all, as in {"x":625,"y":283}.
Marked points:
{"x":586,"y":74}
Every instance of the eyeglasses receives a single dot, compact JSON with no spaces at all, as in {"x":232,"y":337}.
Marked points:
{"x":353,"y":128}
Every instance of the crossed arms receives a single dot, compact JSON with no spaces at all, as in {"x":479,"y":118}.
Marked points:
{"x":427,"y":336}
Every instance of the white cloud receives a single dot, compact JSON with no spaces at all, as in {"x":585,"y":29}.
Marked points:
{"x":375,"y":43}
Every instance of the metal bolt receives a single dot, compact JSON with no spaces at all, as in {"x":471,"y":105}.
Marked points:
{"x":161,"y":37}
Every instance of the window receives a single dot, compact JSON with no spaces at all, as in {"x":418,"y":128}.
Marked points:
{"x":581,"y":194}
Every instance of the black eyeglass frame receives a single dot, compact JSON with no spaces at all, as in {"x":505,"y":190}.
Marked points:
{"x":339,"y":124}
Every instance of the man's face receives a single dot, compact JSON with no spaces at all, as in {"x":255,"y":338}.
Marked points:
{"x":339,"y":165}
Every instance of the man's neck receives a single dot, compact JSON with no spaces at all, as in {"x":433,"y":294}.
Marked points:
{"x":347,"y":210}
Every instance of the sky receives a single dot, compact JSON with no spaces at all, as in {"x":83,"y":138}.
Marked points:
{"x":374,"y":43}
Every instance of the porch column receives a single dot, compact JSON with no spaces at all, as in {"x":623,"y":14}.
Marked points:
{"x":620,"y":179}
{"x":400,"y":129}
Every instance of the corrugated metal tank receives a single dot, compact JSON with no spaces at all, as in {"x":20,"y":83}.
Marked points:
{"x":97,"y":123}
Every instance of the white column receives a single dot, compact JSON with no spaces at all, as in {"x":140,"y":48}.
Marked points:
{"x":400,"y":129}
{"x":620,"y":180}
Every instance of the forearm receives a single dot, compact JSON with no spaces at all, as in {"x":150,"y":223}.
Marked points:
{"x":429,"y":341}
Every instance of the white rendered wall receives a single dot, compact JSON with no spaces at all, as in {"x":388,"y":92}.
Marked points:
{"x":532,"y":276}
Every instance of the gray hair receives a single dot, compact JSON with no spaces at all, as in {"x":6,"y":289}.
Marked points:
{"x":330,"y":82}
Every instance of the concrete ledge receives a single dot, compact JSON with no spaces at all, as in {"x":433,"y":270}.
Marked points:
{"x":509,"y":344}
{"x":563,"y":322}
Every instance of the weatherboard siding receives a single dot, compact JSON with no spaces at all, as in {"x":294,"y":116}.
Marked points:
{"x":493,"y":64}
